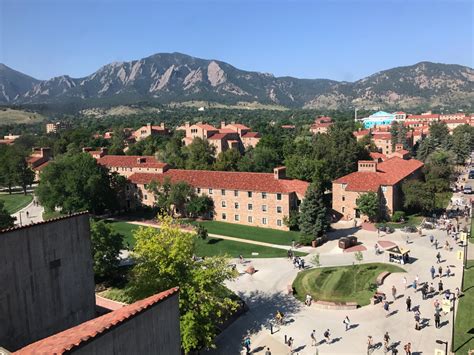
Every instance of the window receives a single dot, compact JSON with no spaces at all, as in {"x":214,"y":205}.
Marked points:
{"x":250,"y":207}
{"x":384,"y":188}
{"x":279,"y":222}
{"x":223,"y":204}
{"x":344,"y":186}
{"x":250,"y":219}
{"x":249,"y":194}
{"x":236,"y":193}
{"x":145,"y":197}
{"x":264,"y":208}
{"x":224,"y":216}
{"x":264,"y":220}
{"x":264,"y":195}
{"x":279,"y":209}
{"x":343,"y":198}
{"x":236,"y":205}
{"x":279,"y":197}
{"x":210,"y":191}
{"x":343,"y":208}
{"x":237,"y":217}
{"x":198,"y":190}
{"x":223,"y":192}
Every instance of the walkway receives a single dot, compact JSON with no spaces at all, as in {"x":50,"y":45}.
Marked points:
{"x":29,"y":214}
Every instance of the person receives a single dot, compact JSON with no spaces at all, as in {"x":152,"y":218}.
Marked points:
{"x":394,"y":292}
{"x":417,"y":320}
{"x":302,"y":264}
{"x":408,"y":239}
{"x":438,"y":258}
{"x":386,"y":337}
{"x":431,"y":239}
{"x":247,"y":344}
{"x":386,"y":306}
{"x":290,"y":345}
{"x":448,"y":271}
{"x":370,"y":344}
{"x":440,"y":271}
{"x":376,"y":249}
{"x":436,"y":244}
{"x":437,"y":318}
{"x":327,"y":335}
{"x":424,"y":290}
{"x":433,"y":271}
{"x":241,"y":257}
{"x":308,"y":300}
{"x":432,"y":290}
{"x":268,"y":352}
{"x":347,"y":323}
{"x":458,"y":292}
{"x":440,"y":286}
{"x":313,"y":338}
{"x":407,"y":348}
{"x":404,"y":281}
{"x":27,"y":214}
{"x":279,"y":317}
{"x":408,"y":302}
{"x":436,"y":304}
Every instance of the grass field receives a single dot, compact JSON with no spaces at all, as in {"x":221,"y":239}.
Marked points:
{"x":212,"y":246}
{"x":410,"y":220}
{"x":266,"y":235}
{"x":464,"y":327}
{"x":15,"y":202}
{"x":9,"y":116}
{"x":341,"y":284}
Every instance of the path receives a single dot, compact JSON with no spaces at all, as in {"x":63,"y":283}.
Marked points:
{"x":30,"y":214}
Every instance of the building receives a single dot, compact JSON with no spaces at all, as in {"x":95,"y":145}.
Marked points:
{"x":380,"y":118}
{"x":39,"y":159}
{"x":150,"y":130}
{"x":55,"y":127}
{"x":127,"y":165}
{"x":321,"y":125}
{"x":384,"y":178}
{"x":47,"y":279}
{"x":48,"y":303}
{"x":383,"y":141}
{"x":228,"y":136}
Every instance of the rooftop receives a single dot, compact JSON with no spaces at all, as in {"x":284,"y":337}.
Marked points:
{"x":251,"y":135}
{"x":65,"y":341}
{"x":130,"y":161}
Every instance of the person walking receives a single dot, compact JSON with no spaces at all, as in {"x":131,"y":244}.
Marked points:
{"x":431,"y":239}
{"x":327,"y":335}
{"x":290,"y":345}
{"x":433,"y":271}
{"x":440,"y":271}
{"x":370,"y":344}
{"x":408,"y":302}
{"x":268,"y":352}
{"x":417,"y":320}
{"x":404,"y":281}
{"x":440,"y":286}
{"x":407,"y":348}
{"x":313,"y":338}
{"x":437,"y":318}
{"x":438,"y":258}
{"x":386,"y":337}
{"x":448,"y":271}
{"x":347,"y":323}
{"x":386,"y":307}
{"x":394,"y":293}
{"x":247,"y":344}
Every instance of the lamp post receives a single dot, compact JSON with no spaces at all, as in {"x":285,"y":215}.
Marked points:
{"x":19,"y":213}
{"x":445,"y":346}
{"x":452,"y":326}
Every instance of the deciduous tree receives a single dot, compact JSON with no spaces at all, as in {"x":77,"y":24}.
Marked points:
{"x":369,"y":205}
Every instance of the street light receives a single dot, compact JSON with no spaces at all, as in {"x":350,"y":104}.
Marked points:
{"x":452,"y":326}
{"x":445,"y":346}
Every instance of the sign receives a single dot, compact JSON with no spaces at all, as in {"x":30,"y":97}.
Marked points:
{"x":460,"y":255}
{"x":446,"y":306}
{"x":439,"y":352}
{"x":463,"y":236}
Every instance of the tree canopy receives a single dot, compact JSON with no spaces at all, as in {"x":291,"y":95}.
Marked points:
{"x":313,"y":220}
{"x":369,"y":205}
{"x":6,"y":221}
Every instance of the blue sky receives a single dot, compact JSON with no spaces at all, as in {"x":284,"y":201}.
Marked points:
{"x":335,"y":39}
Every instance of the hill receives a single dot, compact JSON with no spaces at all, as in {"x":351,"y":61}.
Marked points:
{"x":10,"y":116}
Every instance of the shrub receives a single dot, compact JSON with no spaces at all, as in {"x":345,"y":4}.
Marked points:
{"x":305,"y":239}
{"x":398,"y":216}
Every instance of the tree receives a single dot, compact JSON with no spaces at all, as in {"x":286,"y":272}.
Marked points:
{"x":369,"y":205}
{"x":358,"y":256}
{"x":315,"y":260}
{"x":293,"y":220}
{"x":200,"y":206}
{"x":24,"y":176}
{"x":463,"y":142}
{"x":6,"y":221}
{"x":228,"y":160}
{"x":117,"y":143}
{"x":201,"y":232}
{"x":165,"y":260}
{"x":417,"y":195}
{"x":199,"y":154}
{"x":8,"y":174}
{"x":76,"y":183}
{"x":106,"y":247}
{"x":173,"y":152}
{"x":313,"y":219}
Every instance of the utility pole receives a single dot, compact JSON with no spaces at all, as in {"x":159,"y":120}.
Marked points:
{"x":355,"y":113}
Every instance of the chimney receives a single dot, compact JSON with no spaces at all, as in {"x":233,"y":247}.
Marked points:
{"x":148,"y":126}
{"x":367,"y":165}
{"x":86,"y":149}
{"x":398,"y":147}
{"x":46,"y":152}
{"x":186,"y":124}
{"x":279,"y":173}
{"x":222,"y":124}
{"x":162,"y":125}
{"x":104,"y":151}
{"x":141,"y":160}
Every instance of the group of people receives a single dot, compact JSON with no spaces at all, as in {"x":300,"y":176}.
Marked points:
{"x":298,"y":263}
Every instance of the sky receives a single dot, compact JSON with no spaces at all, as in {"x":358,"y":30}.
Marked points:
{"x":333,"y":39}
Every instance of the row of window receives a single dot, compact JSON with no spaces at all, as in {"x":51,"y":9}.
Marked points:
{"x":250,"y":219}
{"x":250,"y":207}
{"x":236,"y":193}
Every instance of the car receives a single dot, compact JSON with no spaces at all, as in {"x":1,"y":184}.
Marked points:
{"x":467,"y":190}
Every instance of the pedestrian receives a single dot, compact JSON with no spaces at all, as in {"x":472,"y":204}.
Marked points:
{"x":302,"y":264}
{"x":378,"y":232}
{"x":247,"y":344}
{"x":313,"y":338}
{"x":440,"y":286}
{"x":290,"y":345}
{"x":404,"y":281}
{"x":458,"y":292}
{"x":431,"y":239}
{"x":448,"y":271}
{"x":432,"y":290}
{"x":407,"y":348}
{"x":394,"y":293}
{"x":436,"y":244}
{"x":268,"y":352}
{"x":438,"y":258}
{"x":386,"y":337}
{"x":433,"y":271}
{"x":376,"y":249}
{"x":408,"y":302}
{"x":423,"y":292}
{"x":440,"y":271}
{"x":370,"y":344}
{"x":415,"y":284}
{"x":386,"y":307}
{"x":436,"y":305}
{"x":347,"y":323}
{"x":327,"y":335}
{"x":417,"y":320}
{"x":27,"y":214}
{"x":241,"y":258}
{"x":437,"y":318}
{"x":408,"y":239}
{"x":308,"y":300}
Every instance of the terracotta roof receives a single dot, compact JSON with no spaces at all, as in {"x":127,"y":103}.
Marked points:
{"x":399,"y":113}
{"x":251,"y":135}
{"x":206,"y":126}
{"x":6,"y":141}
{"x":42,"y":166}
{"x":238,"y":125}
{"x":65,"y":341}
{"x":321,"y":124}
{"x":377,"y":155}
{"x":460,"y":120}
{"x":382,"y":135}
{"x":218,"y":136}
{"x":425,"y":117}
{"x":389,"y":172}
{"x":33,"y":159}
{"x":229,"y":180}
{"x":227,"y":130}
{"x":130,"y":161}
{"x":362,"y":132}
{"x":288,"y":126}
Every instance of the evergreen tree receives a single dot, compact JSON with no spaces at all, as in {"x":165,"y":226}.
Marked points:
{"x":6,"y":221}
{"x":313,"y":219}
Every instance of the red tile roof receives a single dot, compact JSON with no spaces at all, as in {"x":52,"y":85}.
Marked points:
{"x":65,"y":341}
{"x":362,"y":132}
{"x":251,"y":135}
{"x":227,"y":130}
{"x":288,"y":126}
{"x":382,"y":135}
{"x":389,"y":172}
{"x":377,"y":155}
{"x":238,"y":125}
{"x":130,"y":161}
{"x":218,"y":136}
{"x":206,"y":126}
{"x":42,"y":166}
{"x":33,"y":159}
{"x":261,"y":182}
{"x":422,"y":117}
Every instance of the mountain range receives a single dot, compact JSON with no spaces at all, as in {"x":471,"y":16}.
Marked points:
{"x":176,"y":77}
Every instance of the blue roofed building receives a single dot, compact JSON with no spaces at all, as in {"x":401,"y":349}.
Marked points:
{"x":380,"y":118}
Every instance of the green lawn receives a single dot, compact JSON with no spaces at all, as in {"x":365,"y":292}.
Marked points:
{"x":267,"y":235}
{"x":52,"y":214}
{"x":212,"y":246}
{"x":341,"y":284}
{"x":15,"y":201}
{"x":464,"y":327}
{"x":410,"y":220}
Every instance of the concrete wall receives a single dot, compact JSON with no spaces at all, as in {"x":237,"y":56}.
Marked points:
{"x":46,"y":278}
{"x":154,"y":331}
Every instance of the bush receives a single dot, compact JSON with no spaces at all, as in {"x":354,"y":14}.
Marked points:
{"x":305,"y":239}
{"x":398,"y":216}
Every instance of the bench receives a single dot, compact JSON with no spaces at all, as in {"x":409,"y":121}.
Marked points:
{"x":377,"y":298}
{"x":382,"y":276}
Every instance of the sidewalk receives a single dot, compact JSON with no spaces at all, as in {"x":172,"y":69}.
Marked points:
{"x":29,"y":214}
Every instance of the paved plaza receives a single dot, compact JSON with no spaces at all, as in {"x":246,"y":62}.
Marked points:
{"x":265,"y":292}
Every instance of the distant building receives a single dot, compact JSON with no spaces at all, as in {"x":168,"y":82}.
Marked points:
{"x":39,"y":159}
{"x":384,"y":177}
{"x":380,"y":118}
{"x":321,"y":125}
{"x":9,"y":139}
{"x":57,"y":126}
{"x":150,"y":130}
